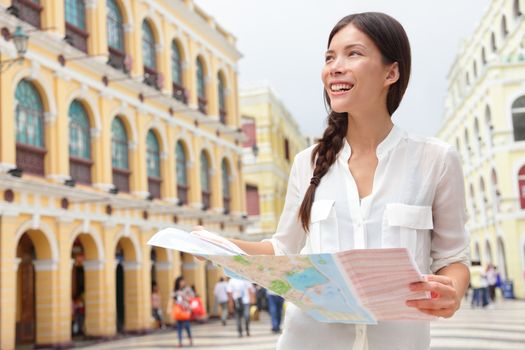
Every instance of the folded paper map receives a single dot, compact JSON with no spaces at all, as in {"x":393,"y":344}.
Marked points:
{"x":355,"y":286}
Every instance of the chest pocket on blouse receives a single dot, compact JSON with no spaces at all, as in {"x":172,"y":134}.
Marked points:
{"x":323,"y":226}
{"x":407,"y":226}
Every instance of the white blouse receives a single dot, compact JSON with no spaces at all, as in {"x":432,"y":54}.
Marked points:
{"x":417,"y":202}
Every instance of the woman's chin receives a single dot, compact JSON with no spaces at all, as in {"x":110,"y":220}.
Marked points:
{"x":339,"y":108}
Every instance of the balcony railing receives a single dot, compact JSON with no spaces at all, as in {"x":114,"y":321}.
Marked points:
{"x":226,"y":204}
{"x":117,"y":60}
{"x":182,"y":193}
{"x":154,"y":186}
{"x":28,"y":11}
{"x":202,"y":104}
{"x":206,"y":200}
{"x":80,"y":170}
{"x":222,"y":115}
{"x":77,"y":37}
{"x":121,"y":179}
{"x":179,"y":93}
{"x":152,"y":78}
{"x":30,"y":159}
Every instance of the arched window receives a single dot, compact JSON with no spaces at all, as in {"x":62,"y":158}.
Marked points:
{"x":477,"y":135}
{"x":518,"y":118}
{"x":29,"y":11}
{"x":521,"y":186}
{"x":119,"y":155}
{"x":153,"y":164}
{"x":179,"y":92}
{"x":182,"y":173}
{"x":488,"y":125}
{"x":79,"y":144}
{"x":205,"y":181}
{"x":475,"y":69}
{"x":467,"y":79}
{"x":504,"y":29}
{"x":468,"y":149}
{"x":516,"y":9}
{"x":222,"y":97}
{"x":201,"y":86}
{"x":76,"y":32}
{"x":151,"y":76}
{"x":473,"y":204}
{"x":115,"y":33}
{"x":148,"y":46}
{"x":482,"y":199}
{"x":483,"y":56}
{"x":493,"y":45}
{"x":29,"y":112}
{"x":496,"y":194}
{"x":226,"y":195}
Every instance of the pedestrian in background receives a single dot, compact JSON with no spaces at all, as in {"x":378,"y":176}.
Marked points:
{"x":182,"y":295}
{"x":275,"y":307}
{"x":221,"y":297}
{"x":239,"y":294}
{"x":492,"y":280}
{"x":156,"y":311}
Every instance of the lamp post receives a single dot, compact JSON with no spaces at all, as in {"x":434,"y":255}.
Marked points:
{"x":20,"y":39}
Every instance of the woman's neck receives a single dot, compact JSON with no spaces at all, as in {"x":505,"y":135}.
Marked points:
{"x":366,"y":130}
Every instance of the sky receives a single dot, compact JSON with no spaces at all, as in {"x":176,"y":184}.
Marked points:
{"x":283,"y":43}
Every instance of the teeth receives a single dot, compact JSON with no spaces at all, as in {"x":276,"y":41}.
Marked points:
{"x":339,"y":87}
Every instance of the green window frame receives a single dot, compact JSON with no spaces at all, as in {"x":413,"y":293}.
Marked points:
{"x":148,"y":46}
{"x":79,"y":131}
{"x":176,"y":64}
{"x":119,"y":145}
{"x":181,"y":165}
{"x":29,"y":115}
{"x":75,"y":13}
{"x":115,"y":26}
{"x":152,"y":155}
{"x":225,"y":171}
{"x":205,"y":172}
{"x":201,"y":91}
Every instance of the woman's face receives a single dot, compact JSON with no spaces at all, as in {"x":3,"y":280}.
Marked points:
{"x":354,"y":75}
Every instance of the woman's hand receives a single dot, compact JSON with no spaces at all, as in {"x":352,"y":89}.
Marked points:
{"x":445,"y":299}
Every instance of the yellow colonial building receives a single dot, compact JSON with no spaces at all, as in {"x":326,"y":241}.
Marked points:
{"x":485,"y":120}
{"x":121,"y":119}
{"x":273,"y":140}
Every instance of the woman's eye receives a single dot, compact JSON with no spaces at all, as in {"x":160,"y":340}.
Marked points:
{"x":328,"y":58}
{"x":354,"y":53}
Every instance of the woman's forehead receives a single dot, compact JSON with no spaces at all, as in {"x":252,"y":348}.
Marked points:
{"x":349,"y":36}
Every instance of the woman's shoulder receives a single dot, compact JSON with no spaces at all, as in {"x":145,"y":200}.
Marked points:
{"x":431,"y":146}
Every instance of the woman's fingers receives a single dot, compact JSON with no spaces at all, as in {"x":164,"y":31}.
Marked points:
{"x":444,"y":301}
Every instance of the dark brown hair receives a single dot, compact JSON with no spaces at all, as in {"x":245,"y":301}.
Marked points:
{"x":391,"y":40}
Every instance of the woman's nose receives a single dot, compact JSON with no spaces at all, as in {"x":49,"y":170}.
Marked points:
{"x":337,"y":67}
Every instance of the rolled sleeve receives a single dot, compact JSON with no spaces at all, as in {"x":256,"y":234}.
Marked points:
{"x":290,"y":237}
{"x":450,"y":241}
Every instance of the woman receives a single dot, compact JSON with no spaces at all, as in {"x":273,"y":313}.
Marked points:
{"x":182,"y":295}
{"x":367,"y":184}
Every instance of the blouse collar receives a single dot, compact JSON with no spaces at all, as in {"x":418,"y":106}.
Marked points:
{"x":391,"y":140}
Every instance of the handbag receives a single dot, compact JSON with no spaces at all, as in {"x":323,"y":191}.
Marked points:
{"x":180,"y":313}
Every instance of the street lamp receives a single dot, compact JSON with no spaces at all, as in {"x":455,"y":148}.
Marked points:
{"x":20,"y":39}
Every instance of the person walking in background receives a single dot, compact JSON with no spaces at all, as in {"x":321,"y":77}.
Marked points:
{"x":476,"y":272}
{"x":239,"y":292}
{"x":492,"y":281}
{"x":275,"y":307}
{"x":182,"y":295}
{"x":221,"y":298}
{"x":155,"y":305}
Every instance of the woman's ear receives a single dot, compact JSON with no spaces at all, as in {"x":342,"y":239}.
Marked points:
{"x":392,"y":74}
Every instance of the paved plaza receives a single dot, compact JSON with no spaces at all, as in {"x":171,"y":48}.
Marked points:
{"x":500,"y":327}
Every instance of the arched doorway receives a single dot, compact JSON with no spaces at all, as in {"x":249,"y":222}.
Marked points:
{"x":477,"y":254}
{"x":78,"y":290}
{"x":502,"y":259}
{"x":119,"y":289}
{"x":161,"y":277}
{"x":129,"y":299}
{"x":25,"y":296}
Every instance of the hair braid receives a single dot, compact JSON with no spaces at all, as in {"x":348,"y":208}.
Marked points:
{"x":323,"y":155}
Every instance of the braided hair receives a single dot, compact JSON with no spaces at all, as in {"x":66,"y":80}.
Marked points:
{"x":392,"y":41}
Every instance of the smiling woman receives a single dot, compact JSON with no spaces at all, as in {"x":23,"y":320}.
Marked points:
{"x":368,"y":184}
